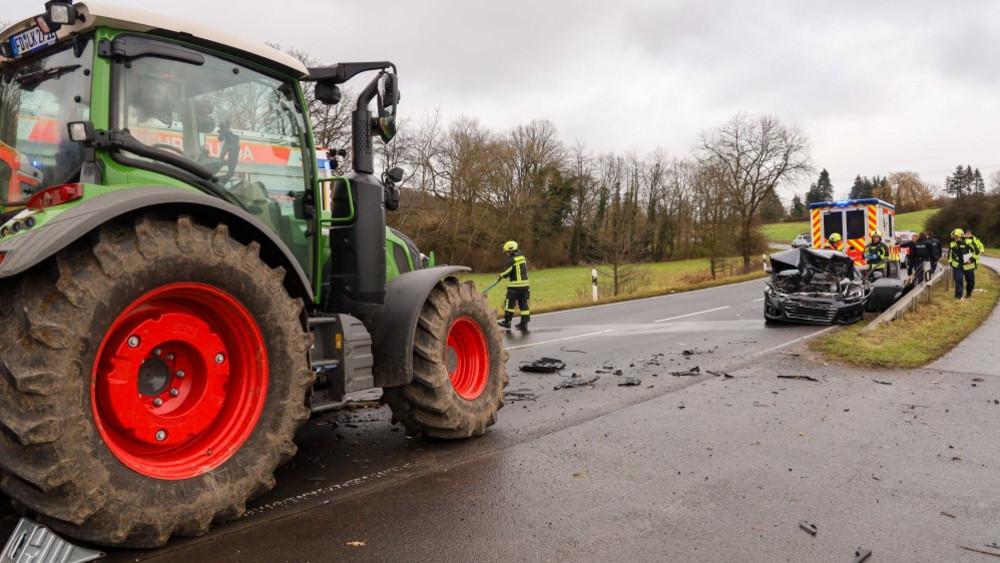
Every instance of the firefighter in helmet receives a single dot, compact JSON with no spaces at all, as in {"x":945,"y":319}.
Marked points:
{"x":877,"y":255}
{"x":962,"y":259}
{"x":834,"y":242}
{"x":516,"y":271}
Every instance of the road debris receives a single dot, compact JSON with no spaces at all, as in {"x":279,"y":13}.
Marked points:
{"x":543,"y":365}
{"x":515,"y":396}
{"x":693,"y":371}
{"x":948,"y":514}
{"x":882,"y":382}
{"x":809,"y":527}
{"x":576,"y":381}
{"x":357,"y":543}
{"x":719,"y":374}
{"x":861,"y":554}
{"x":565,"y":349}
{"x":805,"y":377}
{"x":630,"y":382}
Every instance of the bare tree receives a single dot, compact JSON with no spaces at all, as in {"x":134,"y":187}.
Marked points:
{"x":908,"y":192}
{"x":753,"y":155}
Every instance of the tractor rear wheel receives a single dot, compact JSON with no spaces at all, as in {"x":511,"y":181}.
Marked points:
{"x":151,"y":384}
{"x":459,"y":371}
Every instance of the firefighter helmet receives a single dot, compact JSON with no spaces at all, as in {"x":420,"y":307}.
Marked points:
{"x":877,"y":234}
{"x":957,"y":233}
{"x":510,"y":246}
{"x":835,"y":237}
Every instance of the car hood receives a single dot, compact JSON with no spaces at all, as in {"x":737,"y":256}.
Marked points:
{"x":832,"y":262}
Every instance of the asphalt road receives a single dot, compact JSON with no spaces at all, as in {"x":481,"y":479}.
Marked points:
{"x":678,"y":468}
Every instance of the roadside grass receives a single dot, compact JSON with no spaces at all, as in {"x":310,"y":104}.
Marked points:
{"x":918,"y":338}
{"x":784,"y":232}
{"x":555,"y":289}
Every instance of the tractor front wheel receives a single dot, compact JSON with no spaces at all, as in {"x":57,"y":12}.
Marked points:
{"x":152,"y":382}
{"x":459,"y":371}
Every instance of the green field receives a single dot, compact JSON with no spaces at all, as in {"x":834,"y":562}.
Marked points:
{"x":566,"y":288}
{"x":783,"y":233}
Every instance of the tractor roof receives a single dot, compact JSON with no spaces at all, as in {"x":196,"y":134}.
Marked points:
{"x":130,"y":19}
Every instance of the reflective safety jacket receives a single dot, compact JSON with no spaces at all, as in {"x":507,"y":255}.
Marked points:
{"x":962,"y":255}
{"x":515,"y":269}
{"x":976,"y":245}
{"x":876,"y":254}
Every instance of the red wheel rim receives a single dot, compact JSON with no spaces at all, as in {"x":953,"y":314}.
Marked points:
{"x":180,"y":381}
{"x":467,"y":350}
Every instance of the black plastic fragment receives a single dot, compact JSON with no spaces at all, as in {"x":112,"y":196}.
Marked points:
{"x":630,"y":382}
{"x":693,"y":371}
{"x":809,"y":527}
{"x":861,"y":554}
{"x":543,"y":365}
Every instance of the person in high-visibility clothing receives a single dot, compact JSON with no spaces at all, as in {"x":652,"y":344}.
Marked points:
{"x":975,"y":244}
{"x":961,"y":257}
{"x":516,"y":271}
{"x":877,"y":255}
{"x":834,"y":242}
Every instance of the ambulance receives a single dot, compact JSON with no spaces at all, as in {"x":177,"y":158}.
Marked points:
{"x":855,"y":220}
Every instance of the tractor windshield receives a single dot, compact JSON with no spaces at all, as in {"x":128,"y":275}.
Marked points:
{"x":39,"y":95}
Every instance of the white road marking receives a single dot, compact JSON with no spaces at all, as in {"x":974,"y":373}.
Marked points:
{"x":675,"y":294}
{"x":758,"y":300}
{"x":692,"y":314}
{"x":559,"y":339}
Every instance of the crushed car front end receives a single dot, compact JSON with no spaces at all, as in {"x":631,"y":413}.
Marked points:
{"x":816,"y":287}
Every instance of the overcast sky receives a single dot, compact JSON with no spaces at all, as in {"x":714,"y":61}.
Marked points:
{"x":877,"y":86}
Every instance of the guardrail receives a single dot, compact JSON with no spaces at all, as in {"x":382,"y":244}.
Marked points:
{"x":909,"y":301}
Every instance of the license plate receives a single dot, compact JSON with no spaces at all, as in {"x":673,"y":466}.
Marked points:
{"x":31,"y":40}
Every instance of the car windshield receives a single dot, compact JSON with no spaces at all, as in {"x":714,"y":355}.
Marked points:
{"x":39,"y":95}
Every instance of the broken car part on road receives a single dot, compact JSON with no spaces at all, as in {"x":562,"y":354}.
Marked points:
{"x":577,"y":381}
{"x":543,"y":365}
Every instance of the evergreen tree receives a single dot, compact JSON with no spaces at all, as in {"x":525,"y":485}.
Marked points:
{"x":978,"y":185}
{"x":823,"y":186}
{"x":961,"y":182}
{"x":771,"y":208}
{"x":861,"y":188}
{"x":797,"y":211}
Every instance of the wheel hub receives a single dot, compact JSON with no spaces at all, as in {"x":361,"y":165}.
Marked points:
{"x":154,"y":376}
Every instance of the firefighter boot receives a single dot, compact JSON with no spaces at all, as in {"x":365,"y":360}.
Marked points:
{"x":505,"y":323}
{"x":523,"y":325}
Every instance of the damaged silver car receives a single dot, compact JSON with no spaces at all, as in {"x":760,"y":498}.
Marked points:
{"x":814,"y":286}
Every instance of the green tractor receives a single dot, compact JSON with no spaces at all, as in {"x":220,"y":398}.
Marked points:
{"x":180,"y":288}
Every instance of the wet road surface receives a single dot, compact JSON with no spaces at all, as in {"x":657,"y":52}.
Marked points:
{"x":694,"y":468}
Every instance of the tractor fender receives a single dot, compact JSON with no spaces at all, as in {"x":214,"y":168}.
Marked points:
{"x":392,"y":337}
{"x":35,"y":245}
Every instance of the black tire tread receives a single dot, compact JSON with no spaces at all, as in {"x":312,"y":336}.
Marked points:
{"x":50,"y":461}
{"x":429,"y":405}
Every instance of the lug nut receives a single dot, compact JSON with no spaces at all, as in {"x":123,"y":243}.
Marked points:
{"x":157,"y":402}
{"x":174,"y":392}
{"x":180,"y":374}
{"x":170,"y":356}
{"x":161,"y":435}
{"x":219,"y":358}
{"x":133,"y":341}
{"x":157,"y":351}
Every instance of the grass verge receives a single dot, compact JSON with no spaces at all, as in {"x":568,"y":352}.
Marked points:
{"x":556,"y":289}
{"x":918,"y":338}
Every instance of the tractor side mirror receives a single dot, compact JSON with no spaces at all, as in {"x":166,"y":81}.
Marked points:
{"x":388,"y":97}
{"x":395,"y":174}
{"x":767,"y":263}
{"x":327,"y":92}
